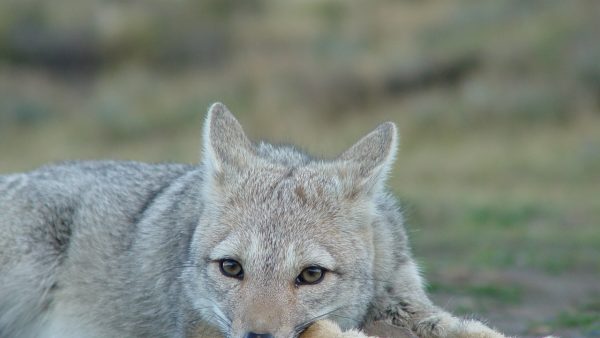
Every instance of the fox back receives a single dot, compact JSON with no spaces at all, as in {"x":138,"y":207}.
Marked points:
{"x":257,"y":240}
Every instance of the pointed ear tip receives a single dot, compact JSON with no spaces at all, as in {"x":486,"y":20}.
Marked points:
{"x":391,"y":131}
{"x":219,"y":112}
{"x":217,"y":108}
{"x":389,"y":126}
{"x":216,"y":111}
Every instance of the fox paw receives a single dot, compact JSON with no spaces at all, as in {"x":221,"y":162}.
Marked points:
{"x":328,"y":329}
{"x":446,"y":326}
{"x":436,"y":325}
{"x":473,"y":328}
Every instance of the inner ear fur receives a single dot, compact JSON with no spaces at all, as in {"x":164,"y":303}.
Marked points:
{"x":225,"y":144}
{"x":369,"y":160}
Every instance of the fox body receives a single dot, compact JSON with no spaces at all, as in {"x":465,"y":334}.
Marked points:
{"x":256,"y":241}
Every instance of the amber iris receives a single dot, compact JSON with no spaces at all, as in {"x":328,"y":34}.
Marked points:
{"x":310,"y":275}
{"x":231,"y":268}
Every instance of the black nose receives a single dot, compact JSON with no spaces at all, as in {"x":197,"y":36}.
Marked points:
{"x":258,"y":335}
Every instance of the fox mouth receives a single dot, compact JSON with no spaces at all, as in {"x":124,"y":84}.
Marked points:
{"x":299,"y":333}
{"x":296,"y":333}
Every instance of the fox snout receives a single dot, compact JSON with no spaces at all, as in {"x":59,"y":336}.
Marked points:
{"x":261,"y":329}
{"x":266,"y":317}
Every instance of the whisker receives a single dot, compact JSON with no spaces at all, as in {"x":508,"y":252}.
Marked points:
{"x":302,"y":326}
{"x":345,"y":317}
{"x":216,"y":318}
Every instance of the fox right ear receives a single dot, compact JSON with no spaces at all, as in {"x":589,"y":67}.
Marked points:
{"x":370,"y":159}
{"x":225,"y":144}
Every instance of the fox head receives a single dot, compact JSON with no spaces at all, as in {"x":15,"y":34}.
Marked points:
{"x":285,"y":239}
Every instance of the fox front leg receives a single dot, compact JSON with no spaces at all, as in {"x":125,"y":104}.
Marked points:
{"x":403,"y":302}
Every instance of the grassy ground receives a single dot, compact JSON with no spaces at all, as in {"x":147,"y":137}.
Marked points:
{"x":498,"y":105}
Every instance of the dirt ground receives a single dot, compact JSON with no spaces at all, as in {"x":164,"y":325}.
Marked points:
{"x":545,"y":304}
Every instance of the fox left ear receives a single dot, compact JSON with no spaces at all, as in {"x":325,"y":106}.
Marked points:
{"x":369,"y":160}
{"x":225,"y":144}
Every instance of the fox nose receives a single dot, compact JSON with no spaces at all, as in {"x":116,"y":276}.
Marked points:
{"x":258,"y":335}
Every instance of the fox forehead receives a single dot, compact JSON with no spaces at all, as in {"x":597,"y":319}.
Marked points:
{"x":294,"y":213}
{"x":283,"y":187}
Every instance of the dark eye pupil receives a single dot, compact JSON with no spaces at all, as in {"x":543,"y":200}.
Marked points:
{"x":310,"y":275}
{"x":232,"y":268}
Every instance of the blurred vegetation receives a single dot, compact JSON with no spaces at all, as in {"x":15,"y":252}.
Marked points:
{"x":498,"y":104}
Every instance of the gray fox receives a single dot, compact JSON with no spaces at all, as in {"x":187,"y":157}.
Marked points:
{"x":257,"y":240}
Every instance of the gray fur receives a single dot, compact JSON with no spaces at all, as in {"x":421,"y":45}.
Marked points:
{"x":125,"y":249}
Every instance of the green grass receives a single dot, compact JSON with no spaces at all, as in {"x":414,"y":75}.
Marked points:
{"x":484,"y":291}
{"x":585,"y":318}
{"x":578,"y":320}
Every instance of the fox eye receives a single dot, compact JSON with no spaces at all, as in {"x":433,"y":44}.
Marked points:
{"x":310,"y":275}
{"x":231,"y":268}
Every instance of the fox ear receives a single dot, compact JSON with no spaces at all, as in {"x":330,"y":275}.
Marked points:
{"x":369,"y":160}
{"x":225,"y":144}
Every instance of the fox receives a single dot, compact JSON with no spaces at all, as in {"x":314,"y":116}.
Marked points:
{"x":255,"y":241}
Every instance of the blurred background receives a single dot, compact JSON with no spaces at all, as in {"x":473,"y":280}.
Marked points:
{"x":498,"y":104}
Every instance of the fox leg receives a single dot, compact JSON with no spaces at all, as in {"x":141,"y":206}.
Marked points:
{"x":402,"y":300}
